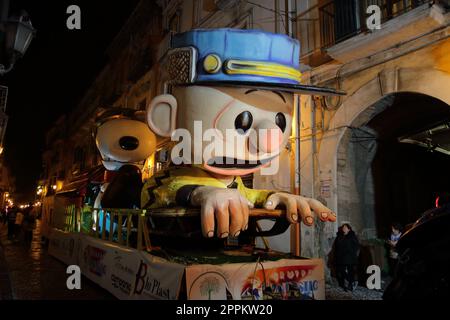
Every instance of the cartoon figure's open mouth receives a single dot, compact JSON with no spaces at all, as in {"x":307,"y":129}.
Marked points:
{"x":233,"y":163}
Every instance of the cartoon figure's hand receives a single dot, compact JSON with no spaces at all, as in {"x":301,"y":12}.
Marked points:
{"x":227,"y":206}
{"x":298,"y":205}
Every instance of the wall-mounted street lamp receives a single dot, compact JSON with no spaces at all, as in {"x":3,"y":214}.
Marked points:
{"x":17,"y":33}
{"x":5,"y":200}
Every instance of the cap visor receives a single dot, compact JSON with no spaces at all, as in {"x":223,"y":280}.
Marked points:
{"x":294,"y":88}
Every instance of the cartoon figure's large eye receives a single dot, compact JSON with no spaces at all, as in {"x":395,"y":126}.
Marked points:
{"x":129,"y":143}
{"x":243,"y":121}
{"x":280,"y":121}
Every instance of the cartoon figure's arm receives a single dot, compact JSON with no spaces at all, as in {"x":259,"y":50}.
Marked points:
{"x":257,"y":197}
{"x":229,"y":208}
{"x":163,"y":189}
{"x":295,"y":205}
{"x":196,"y":188}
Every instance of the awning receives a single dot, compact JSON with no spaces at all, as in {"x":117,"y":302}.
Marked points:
{"x":436,"y":138}
{"x":77,"y":186}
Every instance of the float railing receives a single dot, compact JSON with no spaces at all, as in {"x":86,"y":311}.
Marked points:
{"x":130,"y":227}
{"x":122,"y":224}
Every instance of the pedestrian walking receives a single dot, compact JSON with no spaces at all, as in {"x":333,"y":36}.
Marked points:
{"x":3,"y":217}
{"x":12,"y":223}
{"x":18,"y":224}
{"x":346,"y":250}
{"x":28,"y":225}
{"x":396,"y":233}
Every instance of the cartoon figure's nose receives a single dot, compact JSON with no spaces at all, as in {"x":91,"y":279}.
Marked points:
{"x":129,"y":143}
{"x":270,"y":137}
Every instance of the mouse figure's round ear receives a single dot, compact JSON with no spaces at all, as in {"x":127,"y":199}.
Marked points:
{"x":162,"y":115}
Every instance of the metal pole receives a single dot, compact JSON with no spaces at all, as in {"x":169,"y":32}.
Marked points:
{"x":296,"y":228}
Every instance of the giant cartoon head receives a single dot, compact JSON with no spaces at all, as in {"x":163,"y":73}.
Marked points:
{"x":240,"y":84}
{"x":123,"y":137}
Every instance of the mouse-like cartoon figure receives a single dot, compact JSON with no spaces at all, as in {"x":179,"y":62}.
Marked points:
{"x":238,"y":85}
{"x":124,"y":141}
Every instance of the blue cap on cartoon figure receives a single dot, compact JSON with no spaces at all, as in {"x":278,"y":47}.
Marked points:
{"x":236,"y":57}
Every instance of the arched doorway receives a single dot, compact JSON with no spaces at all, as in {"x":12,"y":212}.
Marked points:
{"x":392,"y":161}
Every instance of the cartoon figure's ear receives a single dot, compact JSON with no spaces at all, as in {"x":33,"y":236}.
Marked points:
{"x":162,"y":115}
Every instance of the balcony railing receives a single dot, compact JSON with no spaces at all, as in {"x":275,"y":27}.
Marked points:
{"x":321,"y":27}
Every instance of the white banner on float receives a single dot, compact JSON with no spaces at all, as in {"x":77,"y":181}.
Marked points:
{"x":128,"y":273}
{"x":64,"y":246}
{"x":112,"y":267}
{"x":283,"y":279}
{"x":157,"y":278}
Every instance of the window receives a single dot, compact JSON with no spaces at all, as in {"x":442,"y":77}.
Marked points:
{"x":61,"y":175}
{"x":343,"y":19}
{"x":143,"y":104}
{"x":173,"y":24}
{"x":245,"y":22}
{"x":79,"y":158}
{"x":162,"y":159}
{"x":55,"y":157}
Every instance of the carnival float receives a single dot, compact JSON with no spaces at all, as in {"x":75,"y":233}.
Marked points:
{"x":191,"y":230}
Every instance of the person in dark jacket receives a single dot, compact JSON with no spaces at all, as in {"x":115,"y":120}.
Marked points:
{"x":396,"y":233}
{"x":12,"y":214}
{"x":346,"y":248}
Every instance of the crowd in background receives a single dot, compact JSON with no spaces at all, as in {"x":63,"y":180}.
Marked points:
{"x":20,"y":223}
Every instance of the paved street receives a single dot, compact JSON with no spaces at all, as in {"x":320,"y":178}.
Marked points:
{"x":29,"y":273}
{"x":360,"y":293}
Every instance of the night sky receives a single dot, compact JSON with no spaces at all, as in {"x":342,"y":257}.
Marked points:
{"x":53,"y":75}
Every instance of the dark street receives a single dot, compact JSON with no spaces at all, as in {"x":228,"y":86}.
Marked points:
{"x":29,"y":273}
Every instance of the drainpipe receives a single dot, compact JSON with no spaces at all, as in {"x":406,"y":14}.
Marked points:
{"x":315,"y":169}
{"x":294,"y":22}
{"x":277,"y":12}
{"x":287,"y":20}
{"x":314,"y":146}
{"x":295,"y":229}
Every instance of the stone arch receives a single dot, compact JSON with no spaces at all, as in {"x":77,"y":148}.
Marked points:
{"x":358,"y":109}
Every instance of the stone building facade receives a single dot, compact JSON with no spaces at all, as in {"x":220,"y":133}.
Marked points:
{"x":366,"y":154}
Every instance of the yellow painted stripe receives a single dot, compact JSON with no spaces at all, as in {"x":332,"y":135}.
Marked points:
{"x":262,"y":69}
